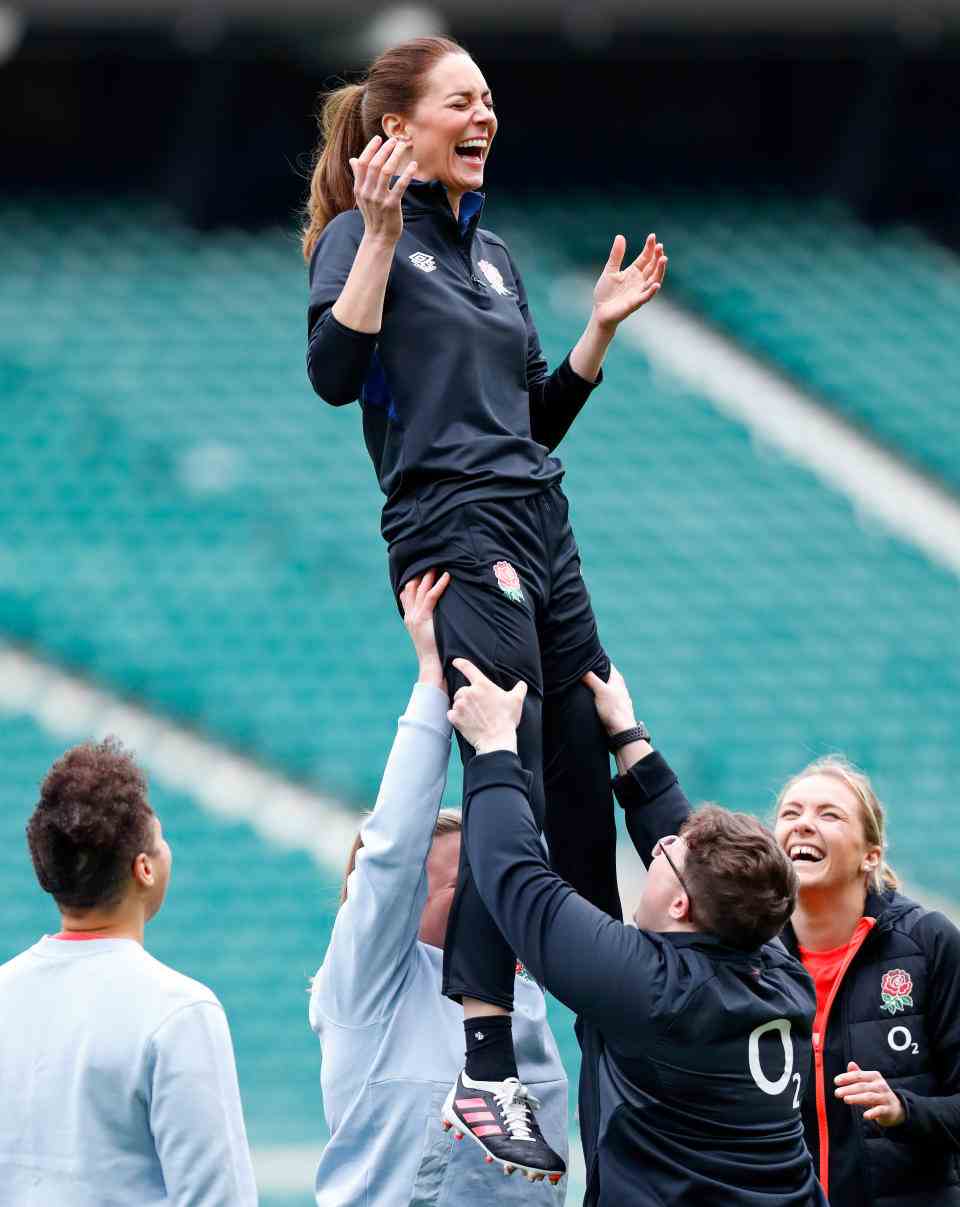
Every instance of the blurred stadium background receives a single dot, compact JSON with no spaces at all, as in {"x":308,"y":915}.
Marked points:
{"x":766,"y":490}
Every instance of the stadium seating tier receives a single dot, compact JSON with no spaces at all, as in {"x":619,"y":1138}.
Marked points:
{"x":182,"y":521}
{"x":866,"y":320}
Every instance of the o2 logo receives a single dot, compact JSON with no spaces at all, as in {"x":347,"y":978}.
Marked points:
{"x":900,"y":1039}
{"x":782,"y":1027}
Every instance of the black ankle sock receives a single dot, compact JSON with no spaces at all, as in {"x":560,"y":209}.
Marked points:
{"x":490,"y":1047}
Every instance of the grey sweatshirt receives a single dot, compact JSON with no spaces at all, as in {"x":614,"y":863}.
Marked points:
{"x":392,"y":1044}
{"x":117,"y":1083}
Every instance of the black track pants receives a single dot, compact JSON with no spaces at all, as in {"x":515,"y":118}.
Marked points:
{"x":517,"y":608}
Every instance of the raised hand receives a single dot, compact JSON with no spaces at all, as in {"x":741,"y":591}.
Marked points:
{"x":378,"y":202}
{"x":485,"y":714}
{"x":868,"y":1088}
{"x":620,"y":291}
{"x":418,"y":599}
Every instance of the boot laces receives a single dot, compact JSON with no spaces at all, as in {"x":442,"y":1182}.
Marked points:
{"x":515,"y":1102}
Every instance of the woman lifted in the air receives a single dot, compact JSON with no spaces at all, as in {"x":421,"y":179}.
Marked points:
{"x":421,"y":313}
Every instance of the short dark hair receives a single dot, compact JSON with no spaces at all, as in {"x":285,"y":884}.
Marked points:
{"x":92,"y":820}
{"x":742,"y":887}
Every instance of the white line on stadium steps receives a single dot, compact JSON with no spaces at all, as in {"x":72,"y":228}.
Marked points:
{"x":782,"y":414}
{"x":71,"y":709}
{"x":289,"y":1168}
{"x":222,"y":782}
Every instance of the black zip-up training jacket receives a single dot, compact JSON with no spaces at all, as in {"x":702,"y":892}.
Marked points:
{"x":457,"y":401}
{"x":694,"y":1053}
{"x":916,"y":1047}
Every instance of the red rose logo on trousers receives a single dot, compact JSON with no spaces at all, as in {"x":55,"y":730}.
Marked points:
{"x":508,"y":581}
{"x":895,"y":989}
{"x":522,"y":973}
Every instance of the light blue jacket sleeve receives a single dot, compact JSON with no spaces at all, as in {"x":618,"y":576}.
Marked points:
{"x":375,"y":932}
{"x":195,"y":1113}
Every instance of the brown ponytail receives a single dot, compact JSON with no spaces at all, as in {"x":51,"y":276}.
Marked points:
{"x":351,"y":115}
{"x":341,"y":138}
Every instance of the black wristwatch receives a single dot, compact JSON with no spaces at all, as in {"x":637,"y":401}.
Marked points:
{"x":639,"y":733}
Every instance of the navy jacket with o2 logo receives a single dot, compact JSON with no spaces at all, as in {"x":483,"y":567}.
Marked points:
{"x":914,"y":1044}
{"x":695,"y":1055}
{"x":458,"y":404}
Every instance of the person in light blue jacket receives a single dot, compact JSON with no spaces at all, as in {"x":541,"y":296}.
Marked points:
{"x":392,"y":1044}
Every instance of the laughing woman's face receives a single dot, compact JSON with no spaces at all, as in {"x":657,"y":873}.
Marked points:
{"x":452,"y":127}
{"x":820,"y":827}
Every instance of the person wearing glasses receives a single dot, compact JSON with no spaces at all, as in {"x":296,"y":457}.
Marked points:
{"x":695,"y":1023}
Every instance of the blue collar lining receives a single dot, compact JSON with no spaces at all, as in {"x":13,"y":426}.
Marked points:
{"x":470,"y":205}
{"x":432,"y":190}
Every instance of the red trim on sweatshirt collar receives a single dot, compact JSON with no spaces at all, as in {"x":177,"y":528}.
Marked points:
{"x":80,"y":936}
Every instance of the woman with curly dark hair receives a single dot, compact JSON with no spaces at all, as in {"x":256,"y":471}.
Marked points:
{"x":123,"y":1069}
{"x":421,"y":314}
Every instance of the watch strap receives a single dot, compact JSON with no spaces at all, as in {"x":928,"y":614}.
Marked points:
{"x":639,"y":733}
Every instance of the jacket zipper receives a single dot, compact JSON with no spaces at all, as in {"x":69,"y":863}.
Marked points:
{"x":823,"y":1132}
{"x":464,"y":248}
{"x":823,"y":1135}
{"x":474,"y":279}
{"x":464,"y":251}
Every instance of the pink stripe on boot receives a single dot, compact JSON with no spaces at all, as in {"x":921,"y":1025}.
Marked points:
{"x":488,"y":1129}
{"x":471,"y":1104}
{"x":478,"y":1117}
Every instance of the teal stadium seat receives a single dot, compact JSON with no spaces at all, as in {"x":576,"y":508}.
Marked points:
{"x":864,"y":319}
{"x":183,"y":521}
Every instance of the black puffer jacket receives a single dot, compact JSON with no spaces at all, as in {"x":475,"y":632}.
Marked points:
{"x":914,"y":1044}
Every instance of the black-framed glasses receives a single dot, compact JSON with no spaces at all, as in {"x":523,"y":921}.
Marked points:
{"x":661,"y":847}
